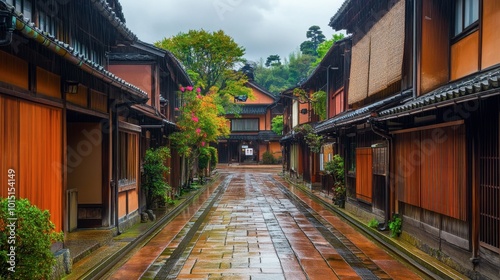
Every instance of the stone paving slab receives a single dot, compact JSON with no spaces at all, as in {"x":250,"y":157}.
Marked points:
{"x":254,"y":231}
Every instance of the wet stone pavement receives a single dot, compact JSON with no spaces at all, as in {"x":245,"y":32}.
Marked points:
{"x":249,"y":226}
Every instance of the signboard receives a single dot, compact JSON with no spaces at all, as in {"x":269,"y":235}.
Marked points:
{"x":248,"y":152}
{"x":244,"y":146}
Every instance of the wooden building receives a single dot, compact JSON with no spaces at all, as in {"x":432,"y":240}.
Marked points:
{"x":65,"y":122}
{"x":329,"y":76}
{"x":421,"y":131}
{"x":446,"y":140}
{"x":159,"y":74}
{"x":250,"y":129}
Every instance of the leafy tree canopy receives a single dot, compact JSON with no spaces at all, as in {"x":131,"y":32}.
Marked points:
{"x":273,"y":60}
{"x":277,"y":124}
{"x":316,"y":37}
{"x":324,"y":47}
{"x":210,"y":60}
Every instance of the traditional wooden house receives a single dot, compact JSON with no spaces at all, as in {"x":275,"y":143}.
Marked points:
{"x":436,"y":153}
{"x":446,"y":139}
{"x":299,"y":119}
{"x":65,"y":125}
{"x":331,"y":75}
{"x":377,"y":78}
{"x":159,"y":74}
{"x":250,"y":129}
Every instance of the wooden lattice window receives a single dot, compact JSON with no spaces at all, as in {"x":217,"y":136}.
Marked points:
{"x":489,"y":178}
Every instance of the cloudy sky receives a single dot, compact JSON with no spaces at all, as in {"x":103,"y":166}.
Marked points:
{"x":262,"y":27}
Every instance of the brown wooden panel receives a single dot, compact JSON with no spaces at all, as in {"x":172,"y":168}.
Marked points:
{"x":13,"y":70}
{"x":435,"y":45}
{"x":364,"y":176}
{"x":40,"y":156}
{"x":9,"y":143}
{"x":80,"y":98}
{"x":99,"y":101}
{"x":47,"y":83}
{"x":407,"y":168}
{"x":465,"y":56}
{"x":443,"y":170}
{"x":490,"y":36}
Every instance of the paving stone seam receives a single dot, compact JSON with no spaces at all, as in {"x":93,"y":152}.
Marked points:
{"x":166,"y":269}
{"x":423,"y":266}
{"x":339,"y":241}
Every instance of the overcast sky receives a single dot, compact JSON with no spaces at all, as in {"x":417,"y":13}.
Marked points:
{"x":262,"y":27}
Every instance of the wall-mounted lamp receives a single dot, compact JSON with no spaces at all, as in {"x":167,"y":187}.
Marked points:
{"x":71,"y":87}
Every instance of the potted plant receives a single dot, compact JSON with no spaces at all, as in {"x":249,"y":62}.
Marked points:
{"x":335,"y":167}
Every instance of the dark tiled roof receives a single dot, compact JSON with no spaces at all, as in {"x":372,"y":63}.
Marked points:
{"x":167,"y":54}
{"x":29,"y":30}
{"x":474,"y":87}
{"x":362,"y":113}
{"x":253,"y":109}
{"x":130,"y":57}
{"x":118,"y":21}
{"x":286,"y":138}
{"x":268,"y":135}
{"x":265,"y":135}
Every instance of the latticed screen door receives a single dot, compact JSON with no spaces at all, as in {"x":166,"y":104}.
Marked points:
{"x":489,"y":189}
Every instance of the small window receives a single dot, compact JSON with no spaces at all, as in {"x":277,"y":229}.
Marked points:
{"x":129,"y":153}
{"x":27,"y":9}
{"x":351,"y":156}
{"x":466,"y":14}
{"x":245,"y":125}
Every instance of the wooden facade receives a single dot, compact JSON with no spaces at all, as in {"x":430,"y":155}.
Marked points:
{"x":158,"y":73}
{"x":420,"y":136}
{"x":75,"y":153}
{"x":250,"y":130}
{"x":329,"y":76}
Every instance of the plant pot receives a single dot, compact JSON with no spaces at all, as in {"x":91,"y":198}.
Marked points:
{"x":340,"y":202}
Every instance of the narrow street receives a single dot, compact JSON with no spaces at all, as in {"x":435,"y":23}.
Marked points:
{"x":250,"y":226}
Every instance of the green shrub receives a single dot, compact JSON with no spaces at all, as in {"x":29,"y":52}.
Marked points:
{"x":214,"y":156}
{"x":268,"y":158}
{"x":25,"y":243}
{"x":373,"y":223}
{"x":395,"y":225}
{"x":203,"y":159}
{"x":155,"y":185}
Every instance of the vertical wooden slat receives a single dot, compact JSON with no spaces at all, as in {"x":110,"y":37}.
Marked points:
{"x":40,"y":154}
{"x":444,"y":171}
{"x":364,"y":175}
{"x":407,"y":177}
{"x":9,"y":145}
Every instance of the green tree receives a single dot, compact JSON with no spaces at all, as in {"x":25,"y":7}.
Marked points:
{"x":26,"y":243}
{"x":299,"y":67}
{"x":324,"y":47}
{"x":156,"y":186}
{"x":278,"y":78}
{"x":273,"y":60}
{"x":277,"y":124}
{"x":318,"y":103}
{"x":210,"y":60}
{"x":316,"y":37}
{"x":200,"y":122}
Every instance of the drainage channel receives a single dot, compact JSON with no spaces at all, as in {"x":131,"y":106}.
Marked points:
{"x":174,"y":263}
{"x":106,"y":266}
{"x":365,"y":268}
